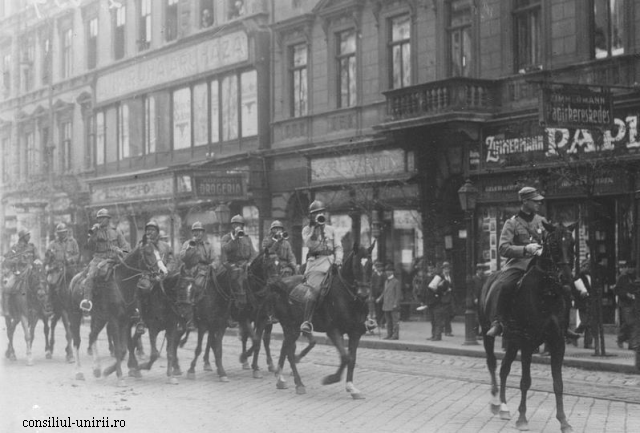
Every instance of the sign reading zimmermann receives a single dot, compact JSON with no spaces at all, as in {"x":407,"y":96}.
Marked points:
{"x":576,"y":107}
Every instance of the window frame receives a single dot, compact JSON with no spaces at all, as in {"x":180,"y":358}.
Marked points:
{"x":340,"y":57}
{"x":170,"y":20}
{"x":206,"y":4}
{"x":144,"y":25}
{"x":6,"y":72}
{"x":27,"y":62}
{"x":297,"y":71}
{"x":609,"y":52}
{"x":93,"y":30}
{"x":391,"y":44}
{"x":65,"y":129}
{"x":66,"y":52}
{"x":527,"y":11}
{"x":119,"y":37}
{"x":459,"y":29}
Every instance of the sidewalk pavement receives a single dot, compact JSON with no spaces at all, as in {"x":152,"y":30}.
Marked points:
{"x":414,"y":334}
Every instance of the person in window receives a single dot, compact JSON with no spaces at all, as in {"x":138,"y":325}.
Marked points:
{"x":238,"y":9}
{"x":207,"y":18}
{"x":324,"y":251}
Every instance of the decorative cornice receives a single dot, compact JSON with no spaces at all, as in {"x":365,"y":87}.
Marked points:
{"x":332,"y":11}
{"x":378,"y":6}
{"x":289,"y":29}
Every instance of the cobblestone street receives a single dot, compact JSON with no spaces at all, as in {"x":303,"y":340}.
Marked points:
{"x":405,"y":392}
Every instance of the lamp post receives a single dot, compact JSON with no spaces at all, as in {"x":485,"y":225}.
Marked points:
{"x":468,"y":195}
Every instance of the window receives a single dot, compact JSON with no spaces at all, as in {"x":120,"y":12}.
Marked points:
{"x":249,"y":103}
{"x":67,"y":40}
{"x":123,"y":131}
{"x":65,"y":141}
{"x":346,"y":61}
{"x":215,"y":111}
{"x":298,"y":86}
{"x":144,"y":36}
{"x":6,"y":163}
{"x":200,"y":114}
{"x":400,"y":51}
{"x":119,"y":21}
{"x":235,"y":9}
{"x":6,"y":73}
{"x":206,"y":13}
{"x":182,"y":119}
{"x":608,"y":34}
{"x":150,"y":125}
{"x":527,"y":35}
{"x":229,"y":99}
{"x":27,"y":67}
{"x":459,"y":38}
{"x":89,"y":146}
{"x":32,"y":157}
{"x":46,"y":58}
{"x":100,"y":138}
{"x":171,"y":20}
{"x":92,"y":43}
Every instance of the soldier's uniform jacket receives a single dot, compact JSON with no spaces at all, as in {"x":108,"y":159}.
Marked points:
{"x":321,"y":241}
{"x":626,"y":286}
{"x":519,"y":231}
{"x":105,"y":243}
{"x":21,"y":256}
{"x":281,"y":248}
{"x":64,"y":252}
{"x":166,"y":254}
{"x":237,"y":250}
{"x":200,"y":254}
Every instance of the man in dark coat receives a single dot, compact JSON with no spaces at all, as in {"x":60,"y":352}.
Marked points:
{"x":626,"y":289}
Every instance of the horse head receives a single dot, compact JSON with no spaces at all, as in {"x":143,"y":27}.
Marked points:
{"x":355,"y":268}
{"x":266,"y":266}
{"x":146,"y":257}
{"x":38,"y":283}
{"x":559,"y":250}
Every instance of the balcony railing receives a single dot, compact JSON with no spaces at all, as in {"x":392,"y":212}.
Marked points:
{"x":440,"y":97}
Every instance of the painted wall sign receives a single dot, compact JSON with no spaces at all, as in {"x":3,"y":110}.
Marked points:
{"x":227,"y":186}
{"x":576,"y":107}
{"x":148,"y":189}
{"x":369,"y":165}
{"x":204,"y":57}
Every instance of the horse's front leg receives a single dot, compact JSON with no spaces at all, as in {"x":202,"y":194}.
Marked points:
{"x":97,"y":324}
{"x":64,"y":316}
{"x":191,"y":373}
{"x":74,"y":328}
{"x":489,"y":344}
{"x":266,"y":341}
{"x":354,"y":341}
{"x":132,"y":363}
{"x":246,"y":333}
{"x":48,"y":337}
{"x":525,"y":383}
{"x":557,"y":349}
{"x":338,"y":342}
{"x":505,"y":369}
{"x":11,"y":329}
{"x":28,"y":336}
{"x":170,"y":336}
{"x":176,"y":361}
{"x":218,"y":334}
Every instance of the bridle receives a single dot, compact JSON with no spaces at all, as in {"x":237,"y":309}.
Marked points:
{"x":352,"y":288}
{"x":560,"y":263}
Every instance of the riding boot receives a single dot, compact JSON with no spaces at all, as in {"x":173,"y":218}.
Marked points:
{"x":309,"y":308}
{"x":86,"y":304}
{"x":137,"y":315}
{"x":568,"y":333}
{"x":504,"y":301}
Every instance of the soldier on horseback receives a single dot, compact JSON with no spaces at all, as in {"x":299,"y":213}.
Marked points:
{"x":19,"y":260}
{"x":62,"y":255}
{"x":324,"y":250}
{"x":196,"y":255}
{"x":107,"y":244}
{"x":237,"y":252}
{"x":278,"y":244}
{"x":152,"y":236}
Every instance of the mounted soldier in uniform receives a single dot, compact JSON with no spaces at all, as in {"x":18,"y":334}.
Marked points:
{"x":324,"y":251}
{"x":19,"y":260}
{"x":196,"y":256}
{"x":62,"y":256}
{"x":108,"y":246}
{"x":279,"y":245}
{"x":237,"y":251}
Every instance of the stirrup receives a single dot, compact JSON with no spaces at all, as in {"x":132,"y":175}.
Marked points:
{"x":86,"y":305}
{"x":306,"y":327}
{"x":140,"y":328}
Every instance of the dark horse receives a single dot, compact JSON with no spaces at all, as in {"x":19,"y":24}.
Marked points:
{"x":342,"y":311}
{"x":537,"y":316}
{"x":114,"y":303}
{"x":28,"y":301}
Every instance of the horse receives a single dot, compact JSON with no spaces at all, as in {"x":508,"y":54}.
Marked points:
{"x":538,"y":315}
{"x":27,"y":301}
{"x":343,"y":310}
{"x":114,"y":304}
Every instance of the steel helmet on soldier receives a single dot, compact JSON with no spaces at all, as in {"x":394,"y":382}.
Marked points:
{"x":61,"y":228}
{"x":23,"y":233}
{"x":276,"y":224}
{"x":103,"y":213}
{"x":237,"y":220}
{"x":316,"y":206}
{"x":154,"y":224}
{"x":197,"y":226}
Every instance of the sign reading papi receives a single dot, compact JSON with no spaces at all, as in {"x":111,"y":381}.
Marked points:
{"x":575,"y":106}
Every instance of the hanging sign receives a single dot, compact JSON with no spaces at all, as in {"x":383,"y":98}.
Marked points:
{"x":576,"y":107}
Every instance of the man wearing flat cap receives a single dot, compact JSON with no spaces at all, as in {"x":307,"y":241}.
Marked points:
{"x":520,"y":241}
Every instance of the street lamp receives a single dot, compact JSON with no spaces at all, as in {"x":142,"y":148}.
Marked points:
{"x":222,"y":213}
{"x":468,"y":195}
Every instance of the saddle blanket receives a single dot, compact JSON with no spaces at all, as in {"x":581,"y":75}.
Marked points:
{"x":299,"y":293}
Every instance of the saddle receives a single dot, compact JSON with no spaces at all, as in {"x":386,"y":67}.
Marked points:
{"x":305,"y":291}
{"x":105,"y":270}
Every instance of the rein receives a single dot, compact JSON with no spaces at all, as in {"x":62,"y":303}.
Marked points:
{"x":349,"y":287}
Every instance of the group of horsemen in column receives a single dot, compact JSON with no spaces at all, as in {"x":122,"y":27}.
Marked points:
{"x":195,"y":260}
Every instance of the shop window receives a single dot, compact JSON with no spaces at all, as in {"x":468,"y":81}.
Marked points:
{"x":459,"y":32}
{"x":171,"y":20}
{"x":215,"y":111}
{"x":230,"y":107}
{"x":528,"y":35}
{"x":298,"y":79}
{"x":182,"y":119}
{"x":123,"y":131}
{"x":119,"y":21}
{"x":45,"y":58}
{"x":92,"y":42}
{"x":65,"y":146}
{"x":346,"y":63}
{"x":6,"y":74}
{"x":27,"y":67}
{"x":206,"y":13}
{"x":100,"y":138}
{"x":66,"y":52}
{"x":249,"y":103}
{"x":149,"y":124}
{"x":400,"y":51}
{"x":144,"y":25}
{"x":608,"y":28}
{"x":200,"y":114}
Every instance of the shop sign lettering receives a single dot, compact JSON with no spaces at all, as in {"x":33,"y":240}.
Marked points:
{"x":576,"y":107}
{"x":201,"y":58}
{"x":572,"y":141}
{"x":230,"y":186}
{"x":368,"y":165}
{"x":140,"y":190}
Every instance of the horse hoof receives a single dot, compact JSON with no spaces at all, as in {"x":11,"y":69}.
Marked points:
{"x":300,"y":390}
{"x":97,"y":373}
{"x":246,"y":366}
{"x":522,"y":425}
{"x":47,"y":355}
{"x":257,"y":374}
{"x":495,"y":408}
{"x":281,"y":384}
{"x":297,"y":359}
{"x":177,"y":372}
{"x":566,"y":429}
{"x":121,"y":383}
{"x":224,"y":379}
{"x":207,"y":367}
{"x":172,"y":380}
{"x":272,"y":369}
{"x":191,"y":375}
{"x":135,"y":373}
{"x":89,"y":351}
{"x":79,"y":376}
{"x":505,"y":414}
{"x":243,"y":359}
{"x":70,"y":359}
{"x":357,"y":396}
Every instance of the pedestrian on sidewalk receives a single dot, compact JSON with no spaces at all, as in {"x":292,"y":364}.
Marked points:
{"x":433,"y":299}
{"x":447,"y":298}
{"x":626,"y":289}
{"x":478,"y":281}
{"x":378,"y":278}
{"x":390,"y":300}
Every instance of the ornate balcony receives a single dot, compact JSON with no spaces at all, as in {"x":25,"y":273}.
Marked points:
{"x":465,"y":99}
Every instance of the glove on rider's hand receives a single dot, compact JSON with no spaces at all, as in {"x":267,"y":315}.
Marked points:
{"x":532,"y":248}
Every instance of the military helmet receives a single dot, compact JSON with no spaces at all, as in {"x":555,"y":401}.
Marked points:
{"x":23,"y":233}
{"x":154,"y":224}
{"x":197,"y":226}
{"x":316,"y":206}
{"x":237,"y":219}
{"x":276,"y":224}
{"x":103,"y":213}
{"x":61,"y":228}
